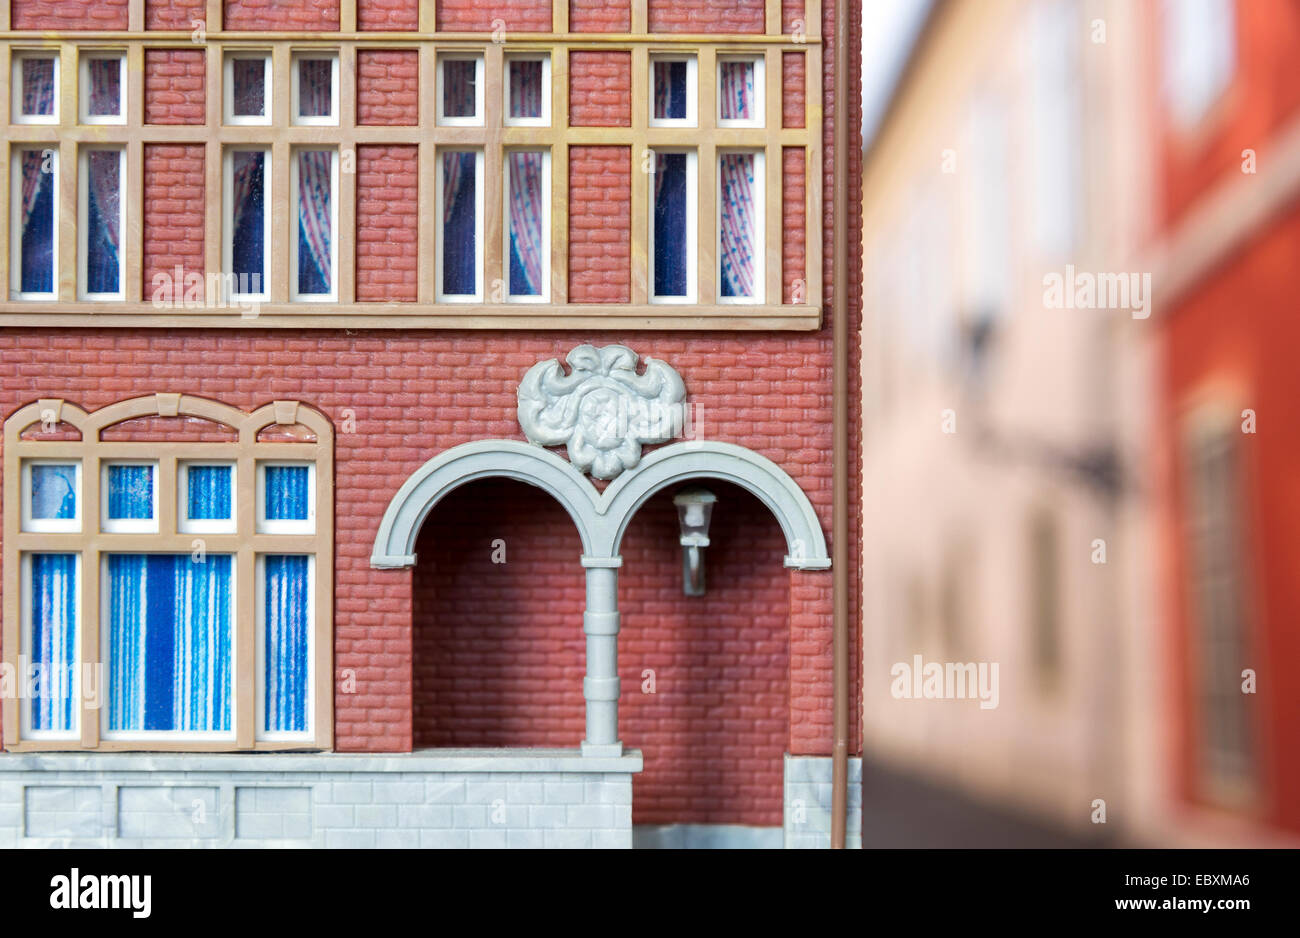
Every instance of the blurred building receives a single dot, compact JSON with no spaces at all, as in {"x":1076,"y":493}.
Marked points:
{"x":1037,"y":395}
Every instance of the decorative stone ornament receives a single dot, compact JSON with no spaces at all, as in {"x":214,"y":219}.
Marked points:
{"x":603,"y":411}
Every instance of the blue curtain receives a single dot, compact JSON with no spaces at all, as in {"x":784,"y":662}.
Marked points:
{"x":286,"y":625}
{"x":54,"y":640}
{"x":526,"y":210}
{"x":286,"y":493}
{"x":54,"y":492}
{"x":459,"y":249}
{"x":169,"y":642}
{"x":208,"y":493}
{"x":670,"y":90}
{"x":130,"y":492}
{"x":670,"y":224}
{"x":103,"y":234}
{"x":37,"y":261}
{"x":248,"y":192}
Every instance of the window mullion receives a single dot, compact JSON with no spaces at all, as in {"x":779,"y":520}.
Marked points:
{"x":245,"y":653}
{"x":492,"y":247}
{"x":642,"y":263}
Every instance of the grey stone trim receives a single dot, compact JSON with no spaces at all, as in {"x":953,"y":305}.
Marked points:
{"x":705,"y":837}
{"x":808,"y":802}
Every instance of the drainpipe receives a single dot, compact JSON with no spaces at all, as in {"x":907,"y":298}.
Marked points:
{"x":840,"y":435}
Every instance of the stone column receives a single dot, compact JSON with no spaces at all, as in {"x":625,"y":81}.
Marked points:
{"x":600,"y":622}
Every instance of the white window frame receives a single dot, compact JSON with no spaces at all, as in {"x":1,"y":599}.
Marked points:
{"x":187,"y":525}
{"x":692,"y":92}
{"x":228,"y":76}
{"x":297,"y":119}
{"x":440,"y":235}
{"x":127,"y":525}
{"x":25,"y":642}
{"x":105,"y":644}
{"x":280,"y":525}
{"x":228,"y":220}
{"x":760,"y":225}
{"x":16,"y":115}
{"x":545,"y":119}
{"x":333,"y":295}
{"x":545,"y":296}
{"x":760,"y":91}
{"x":50,"y":525}
{"x":259,"y":575}
{"x":692,"y":226}
{"x":479,"y":90}
{"x":84,"y":91}
{"x":15,"y":224}
{"x":83,"y":226}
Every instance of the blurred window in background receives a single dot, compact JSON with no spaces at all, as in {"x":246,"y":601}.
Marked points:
{"x":1200,"y":55}
{"x":926,"y":283}
{"x":988,"y":229}
{"x":1216,"y":561}
{"x":1045,"y":598}
{"x":1057,"y":29}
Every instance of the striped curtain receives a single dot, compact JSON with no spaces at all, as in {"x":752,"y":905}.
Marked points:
{"x":738,"y":225}
{"x":54,"y":640}
{"x":208,"y":493}
{"x":315,"y":87}
{"x":526,"y":88}
{"x":247,"y":195}
{"x":526,"y":213}
{"x":670,"y":90}
{"x":38,"y":87}
{"x":105,"y":88}
{"x":315,"y":234}
{"x":103,"y":258}
{"x":130,"y":492}
{"x":169,"y":643}
{"x":54,"y":492}
{"x":286,"y":493}
{"x":736,"y":91}
{"x":458,"y":93}
{"x":286,"y":625}
{"x":249,"y":92}
{"x":670,"y":224}
{"x":37,"y":273}
{"x":459,"y":247}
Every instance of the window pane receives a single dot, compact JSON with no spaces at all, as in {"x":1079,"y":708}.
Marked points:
{"x":526,"y":88}
{"x":37,"y":251}
{"x":169,"y":640}
{"x":670,"y":91}
{"x":738,"y":260}
{"x":248,"y":216}
{"x":286,"y":493}
{"x":315,"y":233}
{"x":458,"y":92}
{"x":459,"y":228}
{"x":208,"y":493}
{"x":526,"y":211}
{"x":315,"y":87}
{"x":38,"y":87}
{"x":130,"y":492}
{"x":249,"y":96}
{"x":54,"y":640}
{"x":105,"y":88}
{"x":286,"y":621}
{"x":736,"y":91}
{"x":54,"y":492}
{"x":104,"y":221}
{"x":670,"y":224}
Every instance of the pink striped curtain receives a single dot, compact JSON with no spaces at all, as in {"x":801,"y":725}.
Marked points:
{"x":38,"y":87}
{"x":315,"y":87}
{"x":105,"y":87}
{"x":458,"y":95}
{"x":739,"y":225}
{"x":526,"y":88}
{"x":736,"y":94}
{"x":526,"y":212}
{"x":315,"y":180}
{"x":106,"y":189}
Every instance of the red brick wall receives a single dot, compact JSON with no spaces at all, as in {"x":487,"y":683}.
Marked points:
{"x":392,"y":15}
{"x":794,"y":223}
{"x":600,"y":225}
{"x":387,"y":243}
{"x":313,"y":15}
{"x":600,"y":89}
{"x":388,"y":86}
{"x":173,"y":213}
{"x":174,"y":86}
{"x":793,"y":103}
{"x":792,"y":11}
{"x":174,"y":14}
{"x":600,"y":16}
{"x":707,"y":16}
{"x":54,"y":15}
{"x":518,"y":16}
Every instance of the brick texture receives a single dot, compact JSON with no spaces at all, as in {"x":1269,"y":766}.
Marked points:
{"x":600,"y":89}
{"x":388,"y":15}
{"x":474,"y":16}
{"x":792,"y":15}
{"x":387,"y":245}
{"x":794,"y":224}
{"x":706,"y":16}
{"x":793,"y":105}
{"x":174,"y":86}
{"x":388,"y":87}
{"x":600,"y":224}
{"x":173,"y":213}
{"x":313,"y":15}
{"x":600,"y":16}
{"x":174,"y":14}
{"x":54,"y":15}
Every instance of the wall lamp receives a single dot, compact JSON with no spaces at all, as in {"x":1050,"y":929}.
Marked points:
{"x":694,"y":511}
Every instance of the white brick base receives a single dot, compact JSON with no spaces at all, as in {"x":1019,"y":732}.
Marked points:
{"x":808,"y":802}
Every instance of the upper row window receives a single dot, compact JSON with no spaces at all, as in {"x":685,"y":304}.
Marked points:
{"x":313,"y":88}
{"x":35,"y":82}
{"x":674,"y":85}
